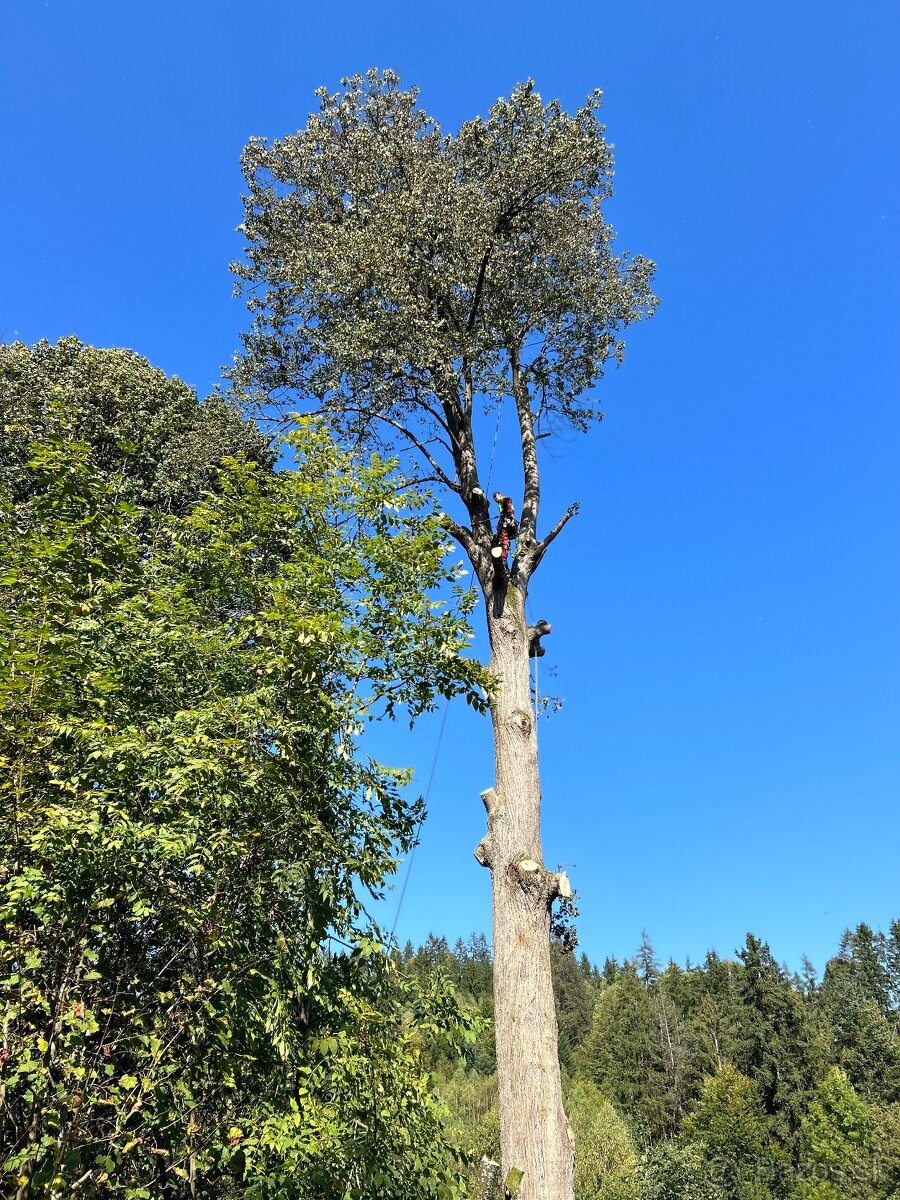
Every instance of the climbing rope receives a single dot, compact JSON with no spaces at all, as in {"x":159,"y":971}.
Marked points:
{"x":412,"y":853}
{"x":437,"y":748}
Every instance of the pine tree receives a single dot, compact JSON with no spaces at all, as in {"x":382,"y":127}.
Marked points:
{"x":777,"y":1042}
{"x":624,"y":1057}
{"x":866,"y":1043}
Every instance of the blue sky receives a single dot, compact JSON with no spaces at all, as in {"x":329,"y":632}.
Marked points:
{"x":726,"y":610}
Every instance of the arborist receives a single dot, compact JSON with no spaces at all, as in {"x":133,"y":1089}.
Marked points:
{"x":507,"y":528}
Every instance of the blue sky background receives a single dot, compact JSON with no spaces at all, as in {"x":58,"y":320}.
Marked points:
{"x":726,"y":610}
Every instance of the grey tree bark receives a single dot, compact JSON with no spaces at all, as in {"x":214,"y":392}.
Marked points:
{"x":534,"y":1132}
{"x":523,"y":891}
{"x":535,"y":1135}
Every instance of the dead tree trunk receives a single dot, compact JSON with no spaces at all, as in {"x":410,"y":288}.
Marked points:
{"x":535,"y":1135}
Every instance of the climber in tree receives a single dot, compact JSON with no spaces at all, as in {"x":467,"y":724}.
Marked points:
{"x":507,"y":527}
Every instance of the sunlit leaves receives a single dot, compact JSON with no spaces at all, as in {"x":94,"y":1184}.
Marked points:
{"x":393,"y":269}
{"x":187,"y":821}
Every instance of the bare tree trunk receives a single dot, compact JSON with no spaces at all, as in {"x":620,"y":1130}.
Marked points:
{"x":535,"y":1135}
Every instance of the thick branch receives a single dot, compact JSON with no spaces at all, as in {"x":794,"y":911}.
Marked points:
{"x":479,"y":286}
{"x":421,"y":480}
{"x":489,"y":800}
{"x":558,"y":886}
{"x":462,"y":535}
{"x":442,"y":476}
{"x":434,"y":414}
{"x":466,"y":465}
{"x":532,"y":497}
{"x":483,"y":853}
{"x":542,"y":546}
{"x":539,"y":630}
{"x":469,"y":386}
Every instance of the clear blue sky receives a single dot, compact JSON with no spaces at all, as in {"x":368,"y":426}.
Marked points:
{"x":727,"y":609}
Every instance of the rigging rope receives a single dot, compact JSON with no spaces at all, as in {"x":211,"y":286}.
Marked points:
{"x":437,"y":748}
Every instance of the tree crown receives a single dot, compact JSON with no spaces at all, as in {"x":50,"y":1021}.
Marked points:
{"x":399,"y":277}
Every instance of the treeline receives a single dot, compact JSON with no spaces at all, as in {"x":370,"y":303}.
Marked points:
{"x":732,"y":1078}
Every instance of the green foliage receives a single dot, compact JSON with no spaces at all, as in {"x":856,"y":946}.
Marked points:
{"x":727,"y":1120}
{"x":886,"y":1129}
{"x":606,"y":1163}
{"x":475,"y":1125}
{"x":867,"y":1039}
{"x":837,"y":1125}
{"x":574,"y":994}
{"x":383,"y":254}
{"x":188,"y":823}
{"x":362,"y":1119}
{"x":728,"y":1130}
{"x":683,"y":1028}
{"x":671,"y":1171}
{"x":150,"y":431}
{"x":777,"y":1042}
{"x":624,"y":1054}
{"x":838,"y":1140}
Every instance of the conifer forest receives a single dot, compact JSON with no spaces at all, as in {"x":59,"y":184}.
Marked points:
{"x":213,"y":608}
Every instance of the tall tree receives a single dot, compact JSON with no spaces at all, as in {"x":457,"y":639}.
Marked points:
{"x":865,"y":1042}
{"x":624,"y":1055}
{"x":837,"y":1140}
{"x":777,"y":1043}
{"x":728,"y":1126}
{"x":402,"y":281}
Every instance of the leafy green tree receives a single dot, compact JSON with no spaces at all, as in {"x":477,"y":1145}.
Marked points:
{"x":474,"y":967}
{"x":673,"y":1171}
{"x":471,"y":1097}
{"x":623,"y":1055}
{"x":188,"y":825}
{"x":892,"y":957}
{"x":713,"y":1033}
{"x":606,"y":1162}
{"x":886,"y":1129}
{"x":838,"y":1140}
{"x":866,"y":954}
{"x":837,"y":1126}
{"x":645,"y":961}
{"x":147,"y":429}
{"x":575,"y":996}
{"x":727,"y":1126}
{"x":402,"y":281}
{"x":865,"y":1042}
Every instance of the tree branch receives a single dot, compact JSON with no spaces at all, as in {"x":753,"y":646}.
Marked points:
{"x":542,"y":546}
{"x":469,"y":387}
{"x":440,"y":474}
{"x":532,"y":497}
{"x":433,"y":412}
{"x":422,"y":479}
{"x":479,"y":286}
{"x":462,"y":535}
